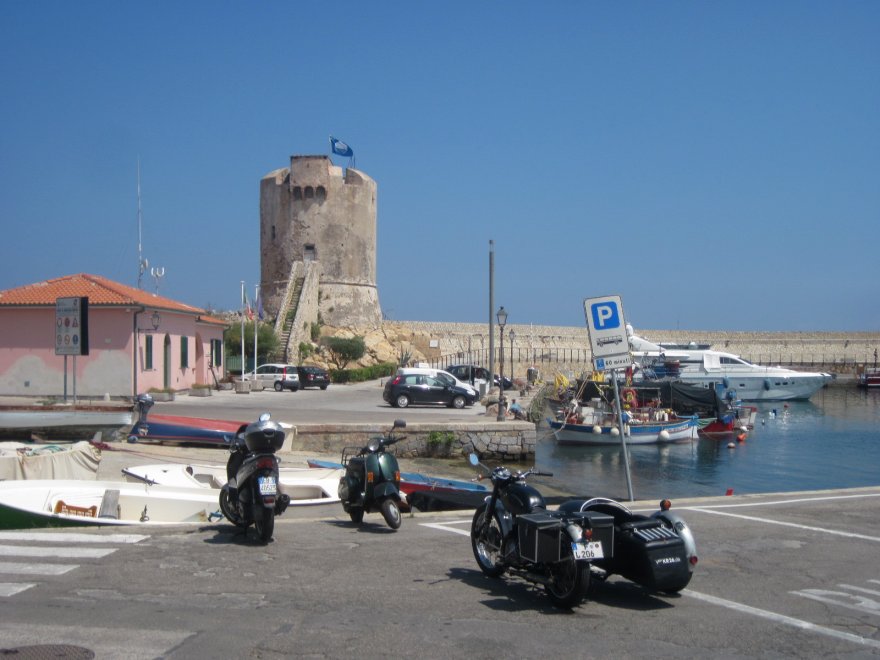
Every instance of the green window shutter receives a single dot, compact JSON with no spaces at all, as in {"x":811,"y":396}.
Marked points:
{"x":184,"y":352}
{"x":148,"y":351}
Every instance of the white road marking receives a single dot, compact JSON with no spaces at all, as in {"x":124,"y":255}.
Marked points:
{"x":446,"y":527}
{"x":826,"y":498}
{"x":72,"y":537}
{"x":35,"y":569}
{"x":783,"y":523}
{"x":10,"y":588}
{"x":781,"y":618}
{"x":37,"y":551}
{"x":841,"y":599}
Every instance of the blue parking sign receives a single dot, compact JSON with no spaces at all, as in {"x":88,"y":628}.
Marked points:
{"x":605,"y":315}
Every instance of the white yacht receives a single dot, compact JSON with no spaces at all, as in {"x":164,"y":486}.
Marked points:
{"x":711,"y":368}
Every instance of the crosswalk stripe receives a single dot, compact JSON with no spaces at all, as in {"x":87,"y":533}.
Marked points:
{"x":140,"y":643}
{"x":35,"y":569}
{"x":38,"y":551}
{"x":72,"y":537}
{"x":10,"y":589}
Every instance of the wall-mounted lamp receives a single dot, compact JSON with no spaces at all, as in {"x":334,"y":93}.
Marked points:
{"x":155,"y":319}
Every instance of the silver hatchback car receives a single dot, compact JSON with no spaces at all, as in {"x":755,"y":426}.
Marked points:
{"x":280,"y":376}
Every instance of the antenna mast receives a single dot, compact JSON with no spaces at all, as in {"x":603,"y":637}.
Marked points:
{"x":142,"y":263}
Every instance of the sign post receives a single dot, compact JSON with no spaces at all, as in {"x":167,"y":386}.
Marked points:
{"x":610,"y":346}
{"x":71,"y":333}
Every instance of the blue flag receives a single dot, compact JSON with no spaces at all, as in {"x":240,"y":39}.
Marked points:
{"x":339,"y":148}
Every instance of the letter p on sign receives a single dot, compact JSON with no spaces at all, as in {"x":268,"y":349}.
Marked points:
{"x":605,"y":315}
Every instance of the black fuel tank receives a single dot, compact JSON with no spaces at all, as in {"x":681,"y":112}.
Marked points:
{"x":522,"y":498}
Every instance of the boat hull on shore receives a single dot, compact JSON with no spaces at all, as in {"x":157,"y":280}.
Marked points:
{"x":78,"y":503}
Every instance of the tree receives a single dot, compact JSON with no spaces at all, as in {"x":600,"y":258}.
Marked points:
{"x":343,"y":350}
{"x":267,"y":342}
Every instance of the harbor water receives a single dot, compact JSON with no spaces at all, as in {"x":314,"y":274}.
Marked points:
{"x":830,"y":441}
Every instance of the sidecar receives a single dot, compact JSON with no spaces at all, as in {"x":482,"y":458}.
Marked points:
{"x":656,"y":552}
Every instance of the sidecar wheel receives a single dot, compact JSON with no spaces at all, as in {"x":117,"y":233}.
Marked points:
{"x":264,"y":523}
{"x":486,"y":543}
{"x":230,"y":510}
{"x":569,"y":581}
{"x":357,"y":515}
{"x":391,"y":513}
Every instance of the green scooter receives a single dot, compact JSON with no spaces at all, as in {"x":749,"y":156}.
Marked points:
{"x":372,"y":479}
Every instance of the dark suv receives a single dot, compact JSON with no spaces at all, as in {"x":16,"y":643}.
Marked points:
{"x":471,"y":373}
{"x":405,"y":389}
{"x":313,"y":377}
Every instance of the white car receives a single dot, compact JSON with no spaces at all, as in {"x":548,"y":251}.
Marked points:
{"x":280,"y":376}
{"x":440,"y":374}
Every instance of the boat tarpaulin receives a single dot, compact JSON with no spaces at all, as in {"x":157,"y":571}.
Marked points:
{"x":79,"y":460}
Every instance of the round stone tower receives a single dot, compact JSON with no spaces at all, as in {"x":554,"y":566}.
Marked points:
{"x":314,"y":214}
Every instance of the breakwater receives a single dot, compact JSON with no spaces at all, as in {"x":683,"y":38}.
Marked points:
{"x":562,"y":348}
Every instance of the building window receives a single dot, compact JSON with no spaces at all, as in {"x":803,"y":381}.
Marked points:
{"x":297,"y":193}
{"x":310,"y":192}
{"x":321,"y":193}
{"x":148,"y":352}
{"x":273,"y":232}
{"x":309,"y":252}
{"x":217,"y":352}
{"x":184,"y":352}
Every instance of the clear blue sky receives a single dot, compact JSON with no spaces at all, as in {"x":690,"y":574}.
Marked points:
{"x":717,"y":164}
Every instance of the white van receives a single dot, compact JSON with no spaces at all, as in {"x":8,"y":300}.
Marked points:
{"x":438,"y":373}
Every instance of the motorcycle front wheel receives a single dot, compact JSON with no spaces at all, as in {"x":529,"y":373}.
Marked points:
{"x":230,"y":510}
{"x":486,"y":543}
{"x":264,"y":522}
{"x":391,"y":513}
{"x":569,"y":581}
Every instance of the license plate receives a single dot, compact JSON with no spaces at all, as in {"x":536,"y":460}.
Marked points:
{"x":267,"y":485}
{"x":592,"y":550}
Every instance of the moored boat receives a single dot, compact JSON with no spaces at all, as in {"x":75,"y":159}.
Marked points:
{"x":637,"y":433}
{"x":76,"y":503}
{"x":869,"y":378}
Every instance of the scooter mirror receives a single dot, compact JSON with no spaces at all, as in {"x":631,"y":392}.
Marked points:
{"x":474,"y":459}
{"x":265,"y":417}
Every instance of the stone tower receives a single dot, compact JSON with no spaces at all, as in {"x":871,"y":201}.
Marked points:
{"x":314,"y":214}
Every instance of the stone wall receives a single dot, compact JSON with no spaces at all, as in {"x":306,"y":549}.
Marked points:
{"x":504,"y":441}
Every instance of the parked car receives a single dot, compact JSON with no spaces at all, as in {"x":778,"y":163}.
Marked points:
{"x":442,"y":375}
{"x":471,"y":373}
{"x":279,"y":376}
{"x":313,"y":377}
{"x":406,"y":389}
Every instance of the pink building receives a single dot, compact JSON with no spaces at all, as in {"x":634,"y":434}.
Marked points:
{"x":137,"y":341}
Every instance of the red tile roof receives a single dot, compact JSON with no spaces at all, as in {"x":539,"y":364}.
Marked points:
{"x":100,"y":292}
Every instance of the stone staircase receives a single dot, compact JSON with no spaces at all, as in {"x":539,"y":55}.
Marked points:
{"x":289,"y":314}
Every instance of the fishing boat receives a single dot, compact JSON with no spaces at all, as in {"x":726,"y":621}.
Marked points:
{"x":869,"y":378}
{"x":63,"y":421}
{"x":427,"y":493}
{"x":76,"y":503}
{"x":305,"y":486}
{"x":607,"y":432}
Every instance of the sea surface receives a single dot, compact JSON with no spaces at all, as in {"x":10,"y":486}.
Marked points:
{"x":830,"y":441}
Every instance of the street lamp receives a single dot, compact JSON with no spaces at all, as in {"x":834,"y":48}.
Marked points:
{"x":502,"y":321}
{"x":512,"y":336}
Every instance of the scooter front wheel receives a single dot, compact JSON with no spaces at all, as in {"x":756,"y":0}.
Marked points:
{"x":391,"y":513}
{"x":356,"y":514}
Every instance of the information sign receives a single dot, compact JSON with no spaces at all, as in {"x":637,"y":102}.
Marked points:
{"x":607,"y":329}
{"x":71,"y":326}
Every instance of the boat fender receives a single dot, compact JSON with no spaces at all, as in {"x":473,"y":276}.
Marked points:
{"x":766,"y":383}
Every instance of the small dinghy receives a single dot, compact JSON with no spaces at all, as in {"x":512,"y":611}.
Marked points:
{"x":304,"y":486}
{"x":77,"y":503}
